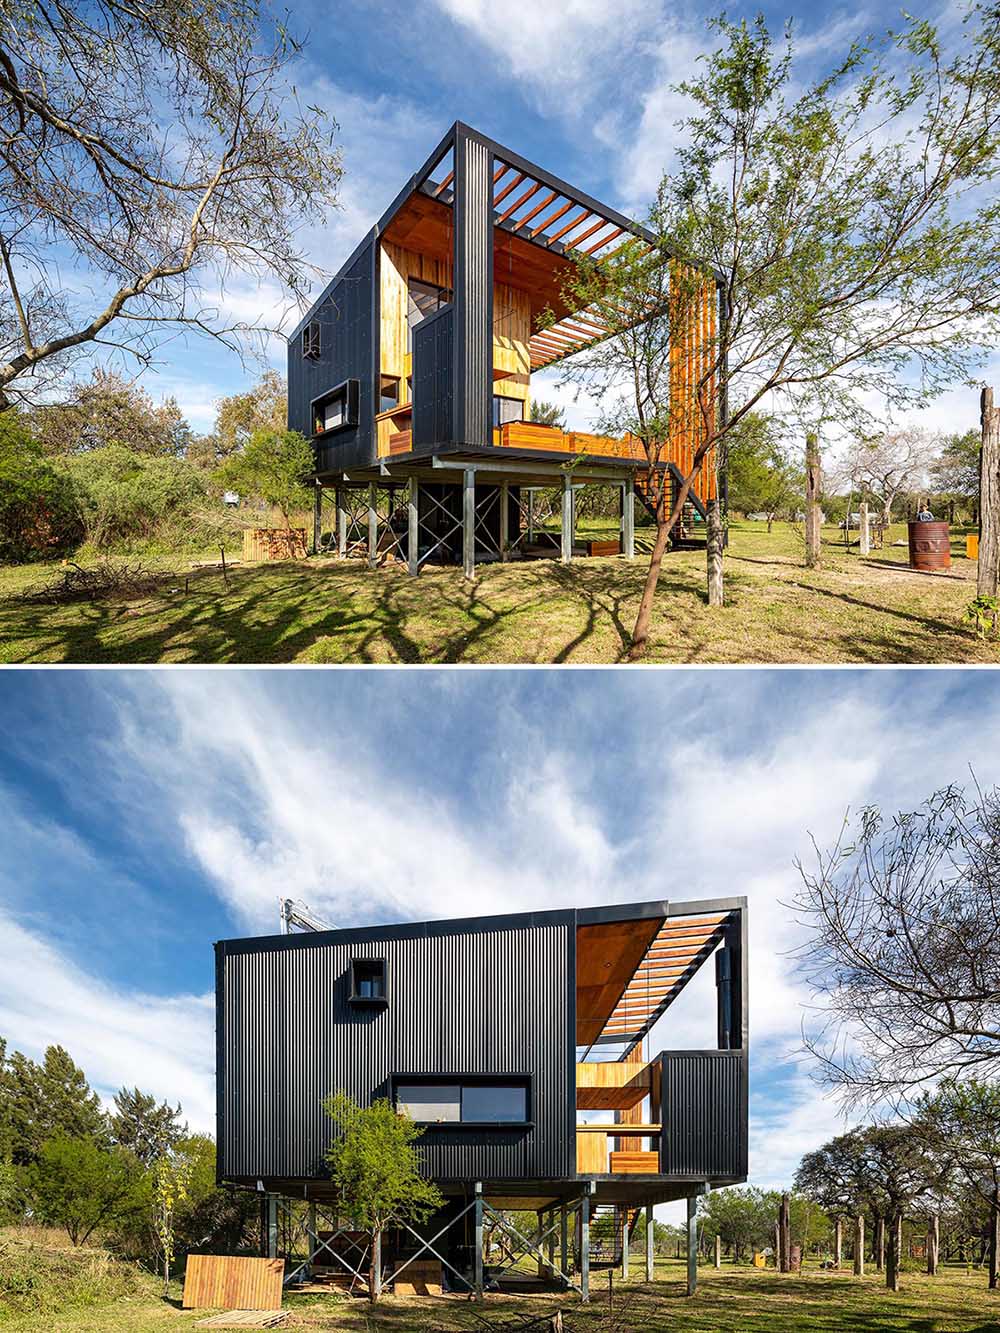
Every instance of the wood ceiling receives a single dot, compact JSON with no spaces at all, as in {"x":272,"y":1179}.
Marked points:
{"x":629,"y":972}
{"x":536,"y":231}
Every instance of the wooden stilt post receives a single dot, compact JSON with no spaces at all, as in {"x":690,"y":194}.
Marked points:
{"x":469,"y":523}
{"x":413,"y":528}
{"x":718,"y":1250}
{"x":859,"y":1245}
{"x":995,"y":1239}
{"x":784,"y":1236}
{"x":650,"y":1238}
{"x":372,"y":527}
{"x":865,"y":539}
{"x":692,"y":1244}
{"x":628,"y":519}
{"x":838,"y":1242}
{"x":813,"y":486}
{"x":989,"y":498}
{"x":566,"y":522}
{"x":933,"y":1243}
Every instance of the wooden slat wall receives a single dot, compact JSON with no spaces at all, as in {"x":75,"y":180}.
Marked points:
{"x":511,"y":335}
{"x":223,"y":1281}
{"x":692,"y":348}
{"x":591,"y":1154}
{"x":611,"y":1085}
{"x":274,"y":543}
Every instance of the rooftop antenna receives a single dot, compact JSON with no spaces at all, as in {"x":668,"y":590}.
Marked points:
{"x":296,"y":917}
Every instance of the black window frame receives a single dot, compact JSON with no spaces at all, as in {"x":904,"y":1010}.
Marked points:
{"x":350,"y":391}
{"x":311,"y":341}
{"x":369,"y":1001}
{"x":398,"y":381}
{"x":506,"y":398}
{"x":478,"y":1079}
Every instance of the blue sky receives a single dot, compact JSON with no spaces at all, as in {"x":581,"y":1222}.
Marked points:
{"x":148,"y":813}
{"x":583,"y":87}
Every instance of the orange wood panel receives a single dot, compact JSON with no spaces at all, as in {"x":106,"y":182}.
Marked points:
{"x":228,"y":1282}
{"x":635,"y":1163}
{"x":591,"y":1155}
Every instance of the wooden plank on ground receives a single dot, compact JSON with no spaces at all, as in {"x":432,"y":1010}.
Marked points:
{"x":231,"y":1282}
{"x":244,"y":1319}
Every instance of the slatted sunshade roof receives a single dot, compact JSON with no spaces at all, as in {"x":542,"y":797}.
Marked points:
{"x":630,"y":972}
{"x":557,"y":223}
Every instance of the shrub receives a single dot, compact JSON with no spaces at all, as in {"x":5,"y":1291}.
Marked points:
{"x":43,"y":1279}
{"x":38,"y":510}
{"x":80,"y":1186}
{"x":983,"y":614}
{"x":271,"y":468}
{"x":129,"y":498}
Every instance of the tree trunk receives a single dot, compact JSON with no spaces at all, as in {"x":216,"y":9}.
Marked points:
{"x":880,"y":1242}
{"x":785,"y":1233}
{"x":813,"y":483}
{"x":718,"y":1251}
{"x":994,"y":1237}
{"x":859,"y":1245}
{"x":933,"y":1244}
{"x":989,"y":498}
{"x":864,"y":537}
{"x":640,"y":634}
{"x":716,"y":595}
{"x":838,"y":1242}
{"x":770,"y":521}
{"x":894,"y":1251}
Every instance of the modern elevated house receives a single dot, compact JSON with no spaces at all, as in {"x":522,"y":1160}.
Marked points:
{"x":518,"y":1044}
{"x":412,"y":373}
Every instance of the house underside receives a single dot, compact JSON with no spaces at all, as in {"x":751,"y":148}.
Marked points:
{"x":412,"y":374}
{"x":541,"y":1022}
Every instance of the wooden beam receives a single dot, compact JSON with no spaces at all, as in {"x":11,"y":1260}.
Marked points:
{"x":445,"y":183}
{"x":523,"y":222}
{"x":605,"y":241}
{"x":533,"y":190}
{"x":554,"y":217}
{"x":511,"y":185}
{"x":598,"y":225}
{"x":583,"y":216}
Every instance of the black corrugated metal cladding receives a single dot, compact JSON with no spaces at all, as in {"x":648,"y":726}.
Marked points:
{"x":345,"y":320}
{"x":494,"y":1000}
{"x":704,"y":1129}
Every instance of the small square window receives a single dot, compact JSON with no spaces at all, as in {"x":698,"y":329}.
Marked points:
{"x":368,"y":981}
{"x":389,"y":393}
{"x":310,"y":341}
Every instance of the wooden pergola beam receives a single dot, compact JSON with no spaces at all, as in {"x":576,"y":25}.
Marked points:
{"x":529,"y":217}
{"x":511,"y":185}
{"x":532,"y":190}
{"x":582,"y":217}
{"x":554,"y":217}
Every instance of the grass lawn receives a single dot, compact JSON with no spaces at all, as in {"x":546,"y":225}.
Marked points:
{"x":870,"y":610}
{"x":734,"y":1300}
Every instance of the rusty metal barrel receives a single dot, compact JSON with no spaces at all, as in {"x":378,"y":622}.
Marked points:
{"x":930,"y":545}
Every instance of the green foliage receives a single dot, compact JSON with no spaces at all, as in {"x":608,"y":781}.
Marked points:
{"x":171,"y":1177}
{"x":38,"y":513}
{"x":147,"y":1129}
{"x":744,"y":1218}
{"x":955,"y":474}
{"x":964,"y":1117}
{"x":271,"y":467}
{"x":548,"y":414}
{"x":375,"y":1167}
{"x":46,"y":1100}
{"x":76,"y":1184}
{"x":110,"y":410}
{"x":760,"y":474}
{"x":241,"y":415}
{"x":128,"y":497}
{"x":983,"y":614}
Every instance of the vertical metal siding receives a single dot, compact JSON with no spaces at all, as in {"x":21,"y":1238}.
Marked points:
{"x":346,"y":352}
{"x":433,"y":344}
{"x":492,"y":1001}
{"x":704,"y":1126}
{"x":473,"y":392}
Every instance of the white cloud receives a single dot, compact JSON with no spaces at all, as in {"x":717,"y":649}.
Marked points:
{"x":164,"y":1044}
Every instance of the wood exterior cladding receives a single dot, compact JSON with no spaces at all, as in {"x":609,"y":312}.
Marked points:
{"x":228,"y":1282}
{"x":612,"y":1085}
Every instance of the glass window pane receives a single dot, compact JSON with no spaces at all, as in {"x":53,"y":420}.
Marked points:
{"x":429,"y":1102}
{"x":493,"y":1102}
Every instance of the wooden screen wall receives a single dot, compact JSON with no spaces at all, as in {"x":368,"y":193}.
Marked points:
{"x":228,"y":1282}
{"x":694,"y":313}
{"x":511,"y":322}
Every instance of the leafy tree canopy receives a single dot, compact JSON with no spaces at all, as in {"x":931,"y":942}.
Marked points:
{"x":148,"y":1129}
{"x":76,"y":1184}
{"x":271,"y":467}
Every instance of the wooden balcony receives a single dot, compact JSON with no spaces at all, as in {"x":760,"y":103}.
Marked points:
{"x":611,"y":1085}
{"x":596,"y":1157}
{"x":533,"y":437}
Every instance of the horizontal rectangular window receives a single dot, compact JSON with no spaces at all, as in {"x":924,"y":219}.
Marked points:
{"x":337,"y":409}
{"x":506,"y":409}
{"x":467,"y":1101}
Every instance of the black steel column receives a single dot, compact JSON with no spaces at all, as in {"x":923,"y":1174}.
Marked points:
{"x":473,"y":292}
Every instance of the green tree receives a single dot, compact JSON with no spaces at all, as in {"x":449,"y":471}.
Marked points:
{"x":160,"y":151}
{"x":148,"y":1129}
{"x":127,"y":497}
{"x":375,"y":1169}
{"x":109,"y":409}
{"x":548,"y":414}
{"x":760,"y":475}
{"x":271,"y":467}
{"x":38,"y":510}
{"x":264,"y":406}
{"x":964,"y":1116}
{"x":46,"y":1100}
{"x":852,"y":222}
{"x":955,"y":474}
{"x":902,"y":1172}
{"x":76,"y":1184}
{"x":743,"y":1216}
{"x":171,"y":1177}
